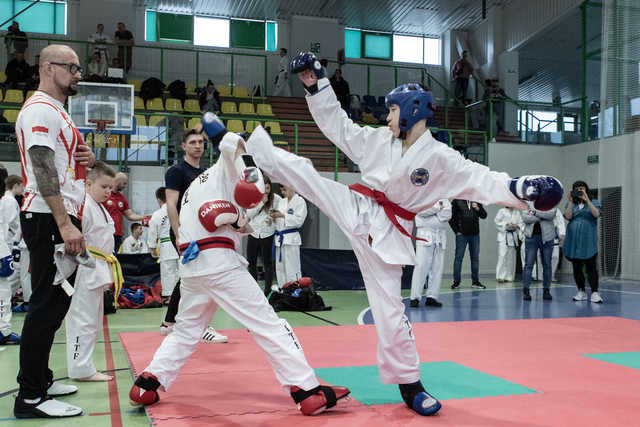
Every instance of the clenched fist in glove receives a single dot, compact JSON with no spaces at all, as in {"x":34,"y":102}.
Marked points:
{"x":309,"y":70}
{"x":544,"y":191}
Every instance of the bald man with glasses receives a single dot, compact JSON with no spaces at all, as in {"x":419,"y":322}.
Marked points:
{"x":53,"y":157}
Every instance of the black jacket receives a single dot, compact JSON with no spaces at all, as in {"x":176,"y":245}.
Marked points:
{"x":465,"y":219}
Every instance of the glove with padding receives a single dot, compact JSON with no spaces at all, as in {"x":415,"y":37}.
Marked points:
{"x":216,"y":213}
{"x":6,"y":266}
{"x":213,"y":127}
{"x":308,"y":61}
{"x":544,"y":191}
{"x":250,"y":189}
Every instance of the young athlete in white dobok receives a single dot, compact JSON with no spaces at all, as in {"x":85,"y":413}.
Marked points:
{"x":213,"y":274}
{"x":289,"y":216}
{"x":404,"y":170}
{"x":161,"y":247}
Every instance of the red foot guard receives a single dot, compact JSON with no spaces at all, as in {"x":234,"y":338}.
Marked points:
{"x":319,"y":399}
{"x":144,"y":390}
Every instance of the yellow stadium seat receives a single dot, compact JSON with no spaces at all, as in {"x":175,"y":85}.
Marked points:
{"x":138,"y":103}
{"x":190,"y":87}
{"x":11,"y":115}
{"x":265,"y":110}
{"x":229,"y":107}
{"x":193,"y":122}
{"x":280,"y":143}
{"x":141,"y":120}
{"x":155,"y":104}
{"x":235,"y":126}
{"x":224,"y":90}
{"x":157,"y":121}
{"x":137,"y":84}
{"x":251,"y":125}
{"x":246,"y":108}
{"x":275,"y":128}
{"x":173,"y":104}
{"x":3,"y":77}
{"x":192,"y":106}
{"x":240,"y":92}
{"x":29,"y":93}
{"x":14,"y":96}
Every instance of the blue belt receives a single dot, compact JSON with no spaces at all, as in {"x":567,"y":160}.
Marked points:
{"x":280,"y":235}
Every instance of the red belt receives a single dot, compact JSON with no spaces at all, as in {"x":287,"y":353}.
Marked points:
{"x":391,"y":209}
{"x":210,"y":242}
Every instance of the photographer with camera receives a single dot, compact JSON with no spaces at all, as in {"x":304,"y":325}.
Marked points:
{"x":581,"y":241}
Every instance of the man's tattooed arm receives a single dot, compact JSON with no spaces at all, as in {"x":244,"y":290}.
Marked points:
{"x":44,"y":169}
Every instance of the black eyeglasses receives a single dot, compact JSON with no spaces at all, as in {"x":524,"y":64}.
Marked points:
{"x":73,"y":68}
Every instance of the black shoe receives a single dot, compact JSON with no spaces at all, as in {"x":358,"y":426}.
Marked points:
{"x":455,"y":285}
{"x":432,"y":302}
{"x":546,"y":294}
{"x":526,"y":295}
{"x":414,"y":303}
{"x":478,"y":285}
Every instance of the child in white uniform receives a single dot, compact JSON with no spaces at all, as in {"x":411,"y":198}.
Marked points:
{"x":161,"y":247}
{"x":213,"y":274}
{"x":289,"y":216}
{"x":431,"y":225}
{"x":84,"y":319}
{"x":7,"y":273}
{"x":508,"y":222}
{"x":406,"y":171}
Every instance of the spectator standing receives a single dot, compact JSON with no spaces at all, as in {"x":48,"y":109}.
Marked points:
{"x":282,"y":79}
{"x":581,"y":242}
{"x":461,"y":71}
{"x":430,"y":226}
{"x":100,"y":42}
{"x":539,"y":231}
{"x":465,"y":223}
{"x":49,"y":218}
{"x":160,"y":246}
{"x":118,"y":206}
{"x":289,"y":216}
{"x":124,"y":39}
{"x":17,"y":71}
{"x":133,"y":244}
{"x":15,"y":40}
{"x":260,"y":241}
{"x":177,"y":180}
{"x":341,"y":88}
{"x":508,"y":222}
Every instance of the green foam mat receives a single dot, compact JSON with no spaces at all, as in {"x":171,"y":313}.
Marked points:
{"x":444,"y":380}
{"x":630,"y":359}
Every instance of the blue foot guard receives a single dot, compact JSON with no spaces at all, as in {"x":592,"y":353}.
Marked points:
{"x":416,"y":398}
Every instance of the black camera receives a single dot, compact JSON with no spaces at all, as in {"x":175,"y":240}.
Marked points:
{"x":577,"y":195}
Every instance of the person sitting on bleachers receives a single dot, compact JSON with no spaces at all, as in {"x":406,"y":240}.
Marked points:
{"x":209,"y":98}
{"x":17,"y":71}
{"x":96,"y":67}
{"x":133,"y":244}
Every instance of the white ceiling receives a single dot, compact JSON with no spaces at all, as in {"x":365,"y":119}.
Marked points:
{"x":425,"y":17}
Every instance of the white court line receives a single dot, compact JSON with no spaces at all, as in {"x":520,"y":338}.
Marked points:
{"x":364,"y":311}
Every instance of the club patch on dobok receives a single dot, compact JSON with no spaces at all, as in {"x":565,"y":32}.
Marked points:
{"x":419,"y":177}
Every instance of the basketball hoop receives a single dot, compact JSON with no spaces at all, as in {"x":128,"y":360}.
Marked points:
{"x":102,"y":133}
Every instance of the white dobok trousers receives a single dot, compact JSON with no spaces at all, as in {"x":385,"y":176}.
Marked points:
{"x":83,"y":324}
{"x":288,"y":269}
{"x":5,"y":306}
{"x":430,"y":261}
{"x":238,"y":294}
{"x":506,"y":267}
{"x":169,"y":276}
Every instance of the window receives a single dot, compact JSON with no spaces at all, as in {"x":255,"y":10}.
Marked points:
{"x":211,"y":32}
{"x":543,"y":121}
{"x":635,"y":106}
{"x":569,"y":123}
{"x":247,"y":34}
{"x":352,"y":43}
{"x":407,"y":49}
{"x":377,"y":46}
{"x":150,"y":33}
{"x":432,"y":51}
{"x":174,"y":28}
{"x":271,"y":37}
{"x":43,"y":17}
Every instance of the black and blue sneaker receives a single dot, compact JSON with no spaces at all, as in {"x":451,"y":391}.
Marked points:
{"x":10,"y":339}
{"x":417,"y":398}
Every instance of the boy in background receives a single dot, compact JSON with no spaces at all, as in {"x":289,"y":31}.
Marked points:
{"x":161,"y":247}
{"x":133,"y":244}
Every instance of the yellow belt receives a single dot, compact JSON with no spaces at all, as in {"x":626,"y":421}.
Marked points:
{"x":118,"y":278}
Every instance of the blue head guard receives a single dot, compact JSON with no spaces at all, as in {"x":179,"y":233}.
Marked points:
{"x":413,"y":102}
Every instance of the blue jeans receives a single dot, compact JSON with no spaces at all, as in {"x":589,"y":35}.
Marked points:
{"x":474,"y":250}
{"x":532,"y":245}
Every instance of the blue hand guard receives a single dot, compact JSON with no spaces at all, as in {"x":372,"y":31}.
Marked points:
{"x":544,"y":191}
{"x":214,"y":128}
{"x":6,"y":266}
{"x":307,"y":61}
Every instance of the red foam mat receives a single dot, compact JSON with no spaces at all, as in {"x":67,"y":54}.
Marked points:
{"x":233,"y":384}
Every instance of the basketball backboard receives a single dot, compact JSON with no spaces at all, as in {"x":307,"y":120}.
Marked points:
{"x":108,"y":102}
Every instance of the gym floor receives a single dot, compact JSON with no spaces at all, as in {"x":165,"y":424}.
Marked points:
{"x":106,"y":404}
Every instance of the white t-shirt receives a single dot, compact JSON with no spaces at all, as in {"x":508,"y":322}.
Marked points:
{"x":44,"y":122}
{"x":97,"y":38}
{"x":263,"y":225}
{"x":133,"y":246}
